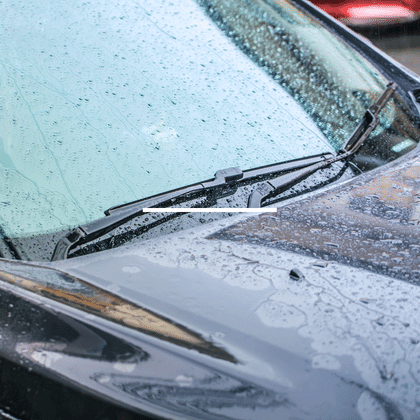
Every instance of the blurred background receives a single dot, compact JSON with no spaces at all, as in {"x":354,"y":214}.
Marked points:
{"x":391,"y":25}
{"x":401,"y":42}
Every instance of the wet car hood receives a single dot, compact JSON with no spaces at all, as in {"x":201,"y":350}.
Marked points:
{"x":370,"y":223}
{"x":228,"y":332}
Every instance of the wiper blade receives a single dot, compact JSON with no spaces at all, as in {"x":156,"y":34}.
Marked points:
{"x":361,"y":133}
{"x":119,"y":215}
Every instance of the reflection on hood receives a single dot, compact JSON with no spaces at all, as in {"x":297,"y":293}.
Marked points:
{"x":195,"y":396}
{"x":371,"y":222}
{"x":81,"y":295}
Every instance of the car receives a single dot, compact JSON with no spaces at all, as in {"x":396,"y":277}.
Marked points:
{"x":258,"y":166}
{"x":364,"y":13}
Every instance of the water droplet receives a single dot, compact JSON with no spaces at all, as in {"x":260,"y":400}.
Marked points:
{"x":124,"y":367}
{"x":320,"y":263}
{"x":296,"y":274}
{"x":367,"y":300}
{"x":113,"y":288}
{"x":103,"y":379}
{"x":132,"y":269}
{"x":183,"y":380}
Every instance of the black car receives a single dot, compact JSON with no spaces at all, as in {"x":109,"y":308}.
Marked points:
{"x":259,"y":258}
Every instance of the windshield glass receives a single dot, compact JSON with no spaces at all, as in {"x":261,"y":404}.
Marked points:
{"x":107,"y":102}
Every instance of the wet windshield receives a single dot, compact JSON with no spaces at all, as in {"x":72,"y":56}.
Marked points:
{"x":106,"y":102}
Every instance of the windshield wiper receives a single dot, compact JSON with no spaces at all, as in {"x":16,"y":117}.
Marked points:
{"x":226,"y":182}
{"x":282,"y":183}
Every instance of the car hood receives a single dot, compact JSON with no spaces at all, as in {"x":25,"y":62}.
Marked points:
{"x":230,"y":333}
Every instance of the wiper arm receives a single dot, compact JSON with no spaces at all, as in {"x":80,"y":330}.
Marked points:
{"x":117,"y":216}
{"x":361,"y":133}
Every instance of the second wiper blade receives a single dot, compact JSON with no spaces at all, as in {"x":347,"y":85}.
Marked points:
{"x":361,"y":133}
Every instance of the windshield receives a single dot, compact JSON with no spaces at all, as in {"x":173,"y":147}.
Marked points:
{"x":107,"y":102}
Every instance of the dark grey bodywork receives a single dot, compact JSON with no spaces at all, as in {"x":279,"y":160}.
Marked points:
{"x":245,"y":339}
{"x":208,"y":323}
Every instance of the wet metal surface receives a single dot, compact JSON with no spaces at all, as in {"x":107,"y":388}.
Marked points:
{"x":371,"y":223}
{"x":151,"y":377}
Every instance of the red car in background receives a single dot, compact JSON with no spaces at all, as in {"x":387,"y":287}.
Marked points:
{"x":371,"y":13}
